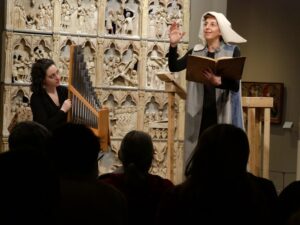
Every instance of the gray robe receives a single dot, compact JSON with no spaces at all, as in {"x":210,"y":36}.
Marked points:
{"x":229,"y":108}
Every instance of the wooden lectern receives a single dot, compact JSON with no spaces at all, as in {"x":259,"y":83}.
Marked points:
{"x":257,"y":119}
{"x":172,"y":87}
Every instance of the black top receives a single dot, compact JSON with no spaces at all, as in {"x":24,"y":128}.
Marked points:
{"x":244,"y":200}
{"x":209,"y":115}
{"x":142,"y":197}
{"x":45,"y":111}
{"x":289,"y":202}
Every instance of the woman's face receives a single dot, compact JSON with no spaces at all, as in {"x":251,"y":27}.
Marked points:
{"x":211,"y":29}
{"x":52,"y":78}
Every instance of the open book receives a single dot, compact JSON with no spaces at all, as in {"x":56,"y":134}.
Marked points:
{"x":228,"y":67}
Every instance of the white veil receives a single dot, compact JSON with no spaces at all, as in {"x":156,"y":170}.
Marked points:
{"x":228,"y":34}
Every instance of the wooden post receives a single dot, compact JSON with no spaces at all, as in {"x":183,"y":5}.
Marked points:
{"x":171,"y":129}
{"x":258,"y":115}
{"x":172,"y":87}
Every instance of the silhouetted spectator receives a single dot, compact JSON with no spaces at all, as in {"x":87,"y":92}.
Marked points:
{"x":294,"y":219}
{"x":142,"y":190}
{"x":289,"y":203}
{"x":28,"y":135}
{"x":29,"y":190}
{"x":218,"y":188}
{"x":74,"y":149}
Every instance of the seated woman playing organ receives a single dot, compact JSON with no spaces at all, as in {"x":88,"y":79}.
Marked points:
{"x":49,"y":102}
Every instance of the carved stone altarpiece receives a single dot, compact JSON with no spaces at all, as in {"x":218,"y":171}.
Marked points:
{"x":125,"y":43}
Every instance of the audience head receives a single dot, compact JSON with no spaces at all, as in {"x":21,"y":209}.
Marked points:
{"x":74,"y":149}
{"x":38,"y":74}
{"x":137,"y":150}
{"x":29,"y":186}
{"x":28,"y":135}
{"x":222,"y":152}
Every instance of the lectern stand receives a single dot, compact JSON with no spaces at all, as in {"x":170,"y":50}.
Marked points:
{"x":257,"y":119}
{"x":172,"y":87}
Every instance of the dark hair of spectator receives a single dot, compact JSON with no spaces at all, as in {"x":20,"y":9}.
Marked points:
{"x":74,"y":149}
{"x":28,"y":135}
{"x":137,"y":149}
{"x":222,"y":151}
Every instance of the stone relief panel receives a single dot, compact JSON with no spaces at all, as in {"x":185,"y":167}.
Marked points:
{"x":89,"y":51}
{"x":64,"y":59}
{"x":156,"y":62}
{"x":123,"y":107}
{"x":121,"y":63}
{"x":16,"y":106}
{"x":177,"y":161}
{"x":122,"y":18}
{"x":33,"y":15}
{"x":21,"y":62}
{"x":161,"y":14}
{"x":156,"y":116}
{"x":79,"y":16}
{"x":20,"y":104}
{"x":125,"y":46}
{"x":155,"y":123}
{"x":26,"y":50}
{"x":159,"y":165}
{"x":41,"y":49}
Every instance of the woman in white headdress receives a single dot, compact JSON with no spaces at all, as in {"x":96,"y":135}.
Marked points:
{"x":219,"y":99}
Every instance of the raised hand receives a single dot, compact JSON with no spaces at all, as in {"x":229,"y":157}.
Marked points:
{"x":175,"y":34}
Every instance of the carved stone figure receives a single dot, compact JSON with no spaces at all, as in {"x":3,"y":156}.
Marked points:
{"x":131,"y":64}
{"x":128,"y":23}
{"x":81,"y":14}
{"x":20,"y":69}
{"x":19,"y":16}
{"x":120,"y":18}
{"x":109,"y":23}
{"x":66,"y":13}
{"x":90,"y":65}
{"x":152,"y":25}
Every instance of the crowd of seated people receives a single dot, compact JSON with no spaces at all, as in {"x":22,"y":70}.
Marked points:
{"x":53,"y":178}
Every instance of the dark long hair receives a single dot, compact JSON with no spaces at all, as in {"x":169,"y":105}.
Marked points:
{"x":222,"y":151}
{"x":38,"y":74}
{"x":136,"y":153}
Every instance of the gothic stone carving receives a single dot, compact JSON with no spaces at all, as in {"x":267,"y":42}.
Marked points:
{"x":125,"y":45}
